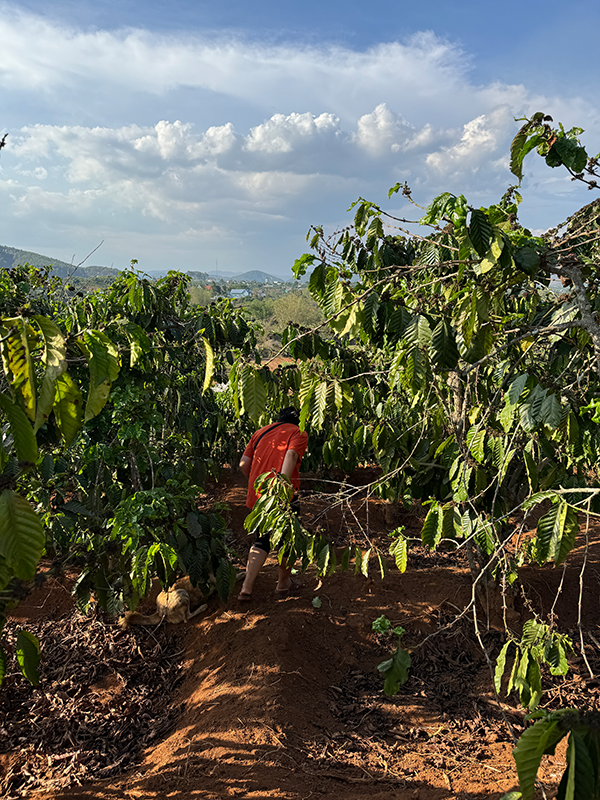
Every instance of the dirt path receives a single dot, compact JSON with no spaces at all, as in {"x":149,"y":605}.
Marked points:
{"x":279,"y":698}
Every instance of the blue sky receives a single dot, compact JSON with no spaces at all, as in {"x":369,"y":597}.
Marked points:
{"x":188,"y":133}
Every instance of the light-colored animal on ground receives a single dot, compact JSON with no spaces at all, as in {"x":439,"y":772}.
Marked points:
{"x":174,"y":605}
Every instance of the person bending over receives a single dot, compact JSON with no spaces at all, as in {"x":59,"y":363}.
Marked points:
{"x":279,"y":447}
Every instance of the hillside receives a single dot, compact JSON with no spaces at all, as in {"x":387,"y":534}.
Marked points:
{"x":253,"y":275}
{"x":12,"y":257}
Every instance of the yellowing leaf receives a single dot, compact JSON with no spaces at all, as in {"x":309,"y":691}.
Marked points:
{"x":210,"y":364}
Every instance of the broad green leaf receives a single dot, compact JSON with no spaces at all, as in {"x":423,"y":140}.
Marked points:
{"x":515,"y":390}
{"x":531,"y":411}
{"x":500,"y":666}
{"x":529,"y":750}
{"x":374,"y":232}
{"x":368,"y":313}
{"x":345,"y":559}
{"x":55,"y":361}
{"x":254,"y":393}
{"x":539,"y":498}
{"x":480,"y":232}
{"x":551,"y":412}
{"x":399,"y":552}
{"x":506,"y":464}
{"x":323,"y":560}
{"x":507,"y":415}
{"x":139,"y":342}
{"x":68,"y":407}
{"x":225,"y":579}
{"x":556,"y":533}
{"x":17,"y":363}
{"x":333,"y":296}
{"x":6,"y":575}
{"x":22,"y":537}
{"x":28,"y":655}
{"x":534,"y":679}
{"x":556,"y":657}
{"x":395,"y":670}
{"x":23,"y":435}
{"x":569,"y":534}
{"x":579,"y":779}
{"x":319,"y":405}
{"x":103,"y":357}
{"x":444,"y":352}
{"x":476,"y":437}
{"x":431,"y":532}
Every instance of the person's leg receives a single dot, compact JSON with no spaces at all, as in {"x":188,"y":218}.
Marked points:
{"x":284,"y":577}
{"x":256,"y":558}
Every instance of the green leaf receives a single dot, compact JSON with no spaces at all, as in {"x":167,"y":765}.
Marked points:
{"x":254,"y":393}
{"x":476,"y":437}
{"x":399,"y":552}
{"x":480,"y":232}
{"x":556,"y":533}
{"x":578,"y":781}
{"x":17,"y":363}
{"x":556,"y":657}
{"x":444,"y":351}
{"x":22,"y":537}
{"x":534,"y":679}
{"x":319,"y":405}
{"x":551,"y":412}
{"x":103,"y":357}
{"x":68,"y":407}
{"x":345,"y":559}
{"x":23,"y":435}
{"x":516,"y":388}
{"x":28,"y":655}
{"x":431,"y":532}
{"x":316,"y":601}
{"x":395,"y":670}
{"x":527,"y":259}
{"x":55,"y":360}
{"x":528,"y":753}
{"x":500,"y":666}
{"x":225,"y":579}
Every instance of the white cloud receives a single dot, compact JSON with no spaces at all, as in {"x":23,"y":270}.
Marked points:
{"x":382,"y":131}
{"x":480,"y":139}
{"x":215,"y":148}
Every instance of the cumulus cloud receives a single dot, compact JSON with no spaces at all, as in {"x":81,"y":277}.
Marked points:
{"x":258,"y":143}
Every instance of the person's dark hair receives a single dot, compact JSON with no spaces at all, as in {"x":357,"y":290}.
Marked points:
{"x":289,"y":414}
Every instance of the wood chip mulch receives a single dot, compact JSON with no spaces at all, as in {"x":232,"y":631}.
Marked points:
{"x":104,"y":696}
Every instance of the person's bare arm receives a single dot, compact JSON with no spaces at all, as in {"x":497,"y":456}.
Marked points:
{"x":289,"y":462}
{"x":245,"y":465}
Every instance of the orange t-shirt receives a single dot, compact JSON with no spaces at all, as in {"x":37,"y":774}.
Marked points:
{"x":270,"y":452}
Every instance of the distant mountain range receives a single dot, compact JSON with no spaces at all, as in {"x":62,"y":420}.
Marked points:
{"x":13,"y":257}
{"x":255,"y":275}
